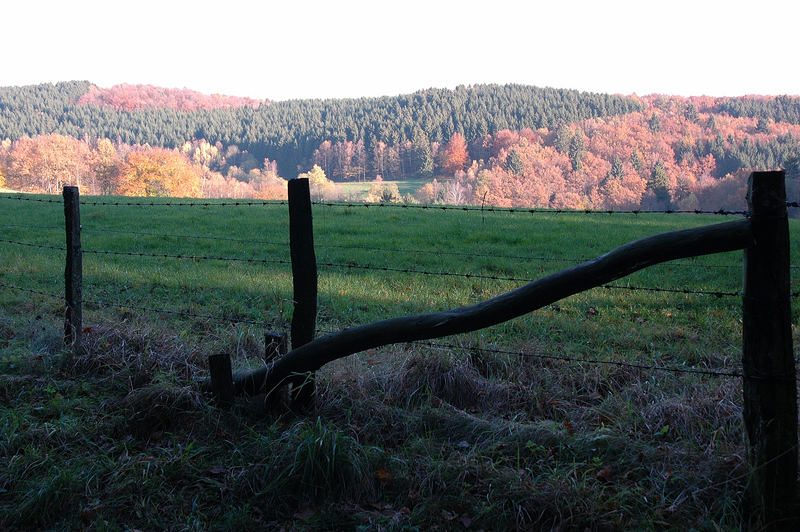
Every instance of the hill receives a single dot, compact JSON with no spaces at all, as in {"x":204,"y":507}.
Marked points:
{"x":507,"y":145}
{"x":138,"y":97}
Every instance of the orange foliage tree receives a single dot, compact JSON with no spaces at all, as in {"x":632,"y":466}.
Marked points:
{"x":159,"y":172}
{"x":48,"y":162}
{"x":454,"y":156}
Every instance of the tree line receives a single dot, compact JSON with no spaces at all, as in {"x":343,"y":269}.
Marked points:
{"x":580,"y":151}
{"x":289,"y":132}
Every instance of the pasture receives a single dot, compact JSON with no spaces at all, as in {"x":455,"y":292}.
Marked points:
{"x":589,"y":413}
{"x":357,"y":190}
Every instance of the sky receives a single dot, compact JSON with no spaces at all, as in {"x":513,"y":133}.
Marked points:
{"x":294,"y":49}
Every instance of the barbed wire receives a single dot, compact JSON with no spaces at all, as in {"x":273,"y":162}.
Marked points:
{"x":24,"y":226}
{"x":194,"y":237}
{"x":283,"y":326}
{"x":440,"y":207}
{"x":38,"y":200}
{"x":242,"y":203}
{"x":714,"y":293}
{"x":528,"y":210}
{"x":32,"y":291}
{"x":353,"y":265}
{"x":523,"y":280}
{"x":530,"y":258}
{"x":564,"y":358}
{"x":32,"y":245}
{"x":184,"y":257}
{"x":124,"y":306}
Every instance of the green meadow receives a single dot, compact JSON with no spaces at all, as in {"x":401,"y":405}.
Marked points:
{"x":357,"y":190}
{"x":571,"y":417}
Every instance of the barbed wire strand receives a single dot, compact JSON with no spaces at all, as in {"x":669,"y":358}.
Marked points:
{"x":124,"y":306}
{"x":527,"y":210}
{"x":437,"y":207}
{"x":33,"y":245}
{"x":564,"y":358}
{"x":38,"y":200}
{"x":531,"y":258}
{"x":242,"y":203}
{"x":25,"y":226}
{"x":368,"y":268}
{"x":362,"y":248}
{"x":108,"y":305}
{"x":437,"y":345}
{"x":32,"y":291}
{"x":184,"y":257}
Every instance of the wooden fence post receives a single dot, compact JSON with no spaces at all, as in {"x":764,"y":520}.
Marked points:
{"x":219,"y":367}
{"x":73,"y":276}
{"x":304,"y":273}
{"x":770,"y":380}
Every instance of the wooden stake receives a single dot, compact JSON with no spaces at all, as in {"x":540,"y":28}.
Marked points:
{"x":770,"y":380}
{"x":219,"y":366}
{"x":304,"y":272}
{"x":73,"y":276}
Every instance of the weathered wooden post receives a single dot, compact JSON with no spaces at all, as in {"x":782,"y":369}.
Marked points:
{"x":770,"y":380}
{"x":219,"y":367}
{"x":304,"y":272}
{"x":73,"y":276}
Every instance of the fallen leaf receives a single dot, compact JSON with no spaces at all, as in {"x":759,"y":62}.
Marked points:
{"x":383,"y":475}
{"x":466,"y":521}
{"x":604,"y":474}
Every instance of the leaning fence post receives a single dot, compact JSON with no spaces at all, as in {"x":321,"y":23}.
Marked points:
{"x":770,"y":381}
{"x":73,"y":275}
{"x":304,"y":273}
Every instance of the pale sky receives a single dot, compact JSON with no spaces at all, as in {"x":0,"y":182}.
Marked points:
{"x":350,"y":48}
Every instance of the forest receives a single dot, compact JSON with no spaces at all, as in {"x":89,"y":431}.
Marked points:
{"x":503,"y":145}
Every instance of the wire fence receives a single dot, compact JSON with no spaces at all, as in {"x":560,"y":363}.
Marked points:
{"x":353,"y":265}
{"x":284,"y":327}
{"x":421,"y":206}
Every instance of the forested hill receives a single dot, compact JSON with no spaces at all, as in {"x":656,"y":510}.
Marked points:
{"x":505,"y":145}
{"x":290,"y":131}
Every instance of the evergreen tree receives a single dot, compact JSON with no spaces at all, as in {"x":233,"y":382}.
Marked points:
{"x":421,"y":157}
{"x":659,"y":184}
{"x":577,"y":147}
{"x":514,"y":163}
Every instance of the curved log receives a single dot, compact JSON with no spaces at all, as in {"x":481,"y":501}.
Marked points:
{"x":617,"y":263}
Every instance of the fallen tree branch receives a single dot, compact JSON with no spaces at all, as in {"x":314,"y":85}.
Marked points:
{"x":617,"y":263}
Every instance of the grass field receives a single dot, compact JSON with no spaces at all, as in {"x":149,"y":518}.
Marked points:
{"x":357,"y":191}
{"x":531,"y":424}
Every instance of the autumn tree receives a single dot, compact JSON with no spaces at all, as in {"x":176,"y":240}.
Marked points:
{"x":159,"y":172}
{"x":107,"y":164}
{"x":380,"y":192}
{"x":454,"y":156}
{"x":318,"y":183}
{"x":48,"y":162}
